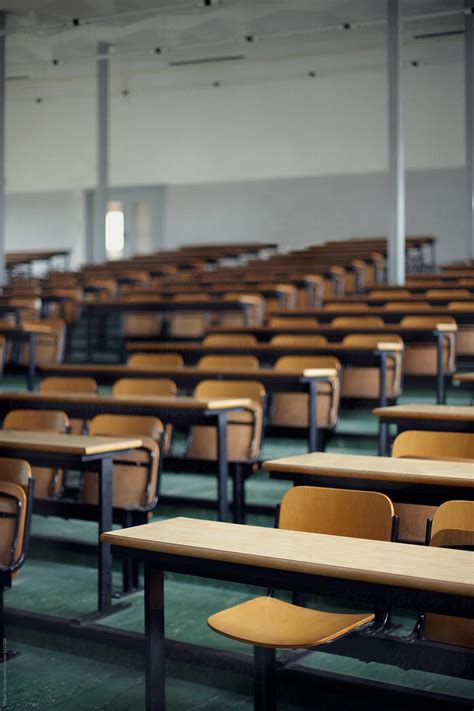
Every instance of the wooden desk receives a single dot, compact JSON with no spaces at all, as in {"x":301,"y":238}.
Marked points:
{"x":46,"y":449}
{"x":447,"y":418}
{"x":29,"y":333}
{"x":411,"y":481}
{"x":416,"y":577}
{"x":120,"y":307}
{"x":170,"y":409}
{"x":186,"y":378}
{"x":332,"y":333}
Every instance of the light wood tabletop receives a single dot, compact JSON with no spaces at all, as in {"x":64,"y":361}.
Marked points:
{"x":69,"y":444}
{"x":463,"y":413}
{"x":423,"y":568}
{"x":419,"y":471}
{"x":164,"y":401}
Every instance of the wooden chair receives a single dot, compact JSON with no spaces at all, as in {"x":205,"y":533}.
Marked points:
{"x":147,"y":387}
{"x":256,"y":310}
{"x":407,"y":306}
{"x":32,"y":306}
{"x":452,"y":525}
{"x":244,"y":434}
{"x":455,"y":446}
{"x":228,"y":362}
{"x":268,"y":623}
{"x":357,"y":322}
{"x":145,"y":324}
{"x":291,"y":409}
{"x":16,"y":495}
{"x":389,"y":293}
{"x":447,"y":293}
{"x":364,"y":383}
{"x":49,"y":347}
{"x":346,"y":306}
{"x":189,"y":324}
{"x":288,"y":324}
{"x":135,"y":475}
{"x":465,"y":334}
{"x":48,"y":480}
{"x":298,"y":339}
{"x":229,"y":339}
{"x":69,"y":309}
{"x":421,"y":358}
{"x":149,"y":361}
{"x":70,"y":385}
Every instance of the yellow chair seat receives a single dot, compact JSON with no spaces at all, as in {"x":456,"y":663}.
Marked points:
{"x":268,"y":622}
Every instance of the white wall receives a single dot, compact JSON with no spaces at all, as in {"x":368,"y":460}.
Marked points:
{"x":295,"y":161}
{"x":46,"y":221}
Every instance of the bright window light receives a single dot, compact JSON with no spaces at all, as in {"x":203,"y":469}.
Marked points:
{"x":114,"y":233}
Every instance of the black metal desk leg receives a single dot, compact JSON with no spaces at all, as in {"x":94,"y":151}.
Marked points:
{"x":32,"y":361}
{"x":89,"y":335}
{"x":440,"y":389}
{"x":246,"y":315}
{"x":313,"y":438}
{"x":223,"y":468}
{"x":154,"y":639}
{"x":383,"y":427}
{"x":105,"y":524}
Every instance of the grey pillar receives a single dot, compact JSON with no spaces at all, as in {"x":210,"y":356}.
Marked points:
{"x":396,"y":158}
{"x":102,"y":152}
{"x":2,"y":148}
{"x":469,"y":111}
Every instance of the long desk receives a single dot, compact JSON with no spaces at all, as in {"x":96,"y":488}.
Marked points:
{"x":463,"y":316}
{"x":416,"y":577}
{"x":187,"y":378}
{"x":120,"y":307}
{"x":448,"y":418}
{"x":170,"y":409}
{"x":335,"y":333}
{"x":421,"y":481}
{"x":79,"y":452}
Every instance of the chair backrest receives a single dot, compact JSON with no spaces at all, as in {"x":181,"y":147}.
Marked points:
{"x":228,"y":362}
{"x":298,"y":362}
{"x":425,"y":321}
{"x":447,"y":293}
{"x":434,"y":445}
{"x":346,"y":307}
{"x":407,"y":306}
{"x":68,"y":385}
{"x":148,"y":361}
{"x":144,"y":323}
{"x":245,"y":428}
{"x":290,"y":323}
{"x":452,"y":526}
{"x":48,"y":420}
{"x":15,"y":471}
{"x":460,"y":306}
{"x":299,"y":339}
{"x":144,"y":386}
{"x":135,"y":475}
{"x":229,"y":339}
{"x":337,"y":512}
{"x":389,"y":293}
{"x":370,"y":340}
{"x":49,"y":346}
{"x":357,"y":322}
{"x":13,"y":508}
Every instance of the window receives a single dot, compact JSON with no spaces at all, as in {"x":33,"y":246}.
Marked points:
{"x":114,"y":231}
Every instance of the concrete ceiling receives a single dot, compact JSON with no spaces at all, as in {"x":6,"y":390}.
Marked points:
{"x":56,"y":40}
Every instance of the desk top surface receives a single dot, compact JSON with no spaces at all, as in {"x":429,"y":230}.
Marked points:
{"x":419,"y":471}
{"x":427,"y":412}
{"x":419,"y":567}
{"x":164,"y":401}
{"x":69,"y":444}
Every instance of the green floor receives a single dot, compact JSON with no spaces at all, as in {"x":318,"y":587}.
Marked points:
{"x":55,"y":672}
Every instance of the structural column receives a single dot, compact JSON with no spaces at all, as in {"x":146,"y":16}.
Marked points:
{"x":396,"y":157}
{"x":2,"y":149}
{"x":102,"y":152}
{"x":469,"y":111}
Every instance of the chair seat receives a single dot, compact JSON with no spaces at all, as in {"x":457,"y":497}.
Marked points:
{"x":268,"y":622}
